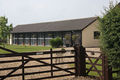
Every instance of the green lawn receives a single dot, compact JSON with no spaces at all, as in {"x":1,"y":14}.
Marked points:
{"x":20,"y":48}
{"x":99,"y":68}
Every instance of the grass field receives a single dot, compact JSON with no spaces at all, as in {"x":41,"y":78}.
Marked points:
{"x":20,"y":48}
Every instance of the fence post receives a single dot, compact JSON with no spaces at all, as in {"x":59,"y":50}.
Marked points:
{"x":51,"y":62}
{"x":23,"y":72}
{"x":80,"y":65}
{"x":110,"y":73}
{"x":106,"y":70}
{"x":103,"y":66}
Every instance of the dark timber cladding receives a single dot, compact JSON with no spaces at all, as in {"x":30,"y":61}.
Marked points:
{"x":41,"y":33}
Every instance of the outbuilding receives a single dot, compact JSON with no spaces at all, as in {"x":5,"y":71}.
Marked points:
{"x":85,"y":30}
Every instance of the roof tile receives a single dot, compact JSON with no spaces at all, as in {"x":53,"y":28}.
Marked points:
{"x":66,"y":25}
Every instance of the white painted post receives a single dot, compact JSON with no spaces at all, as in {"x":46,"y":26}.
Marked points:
{"x":10,"y":39}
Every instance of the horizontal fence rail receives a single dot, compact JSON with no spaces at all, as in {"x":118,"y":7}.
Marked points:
{"x":92,"y":63}
{"x":25,"y":62}
{"x":49,"y":64}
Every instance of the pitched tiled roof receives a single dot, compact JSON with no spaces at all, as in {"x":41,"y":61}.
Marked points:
{"x":66,"y":25}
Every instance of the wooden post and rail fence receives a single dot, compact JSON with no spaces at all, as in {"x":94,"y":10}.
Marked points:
{"x":81,"y":60}
{"x":104,"y":74}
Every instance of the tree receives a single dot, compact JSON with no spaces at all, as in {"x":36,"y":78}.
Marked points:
{"x":74,"y":38}
{"x":56,"y":42}
{"x":110,"y":34}
{"x":67,"y":39}
{"x":4,"y":29}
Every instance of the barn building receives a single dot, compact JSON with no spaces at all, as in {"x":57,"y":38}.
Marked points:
{"x":85,"y":29}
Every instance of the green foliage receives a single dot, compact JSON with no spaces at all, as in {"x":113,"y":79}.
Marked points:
{"x":62,"y":49}
{"x":67,"y":37}
{"x":110,"y":35}
{"x":4,"y":29}
{"x":56,"y":42}
{"x":74,"y":37}
{"x":21,"y":48}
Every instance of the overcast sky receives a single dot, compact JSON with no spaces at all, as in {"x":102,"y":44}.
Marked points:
{"x":36,"y":11}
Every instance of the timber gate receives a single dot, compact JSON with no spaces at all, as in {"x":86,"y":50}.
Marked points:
{"x":42,"y":67}
{"x":37,"y":66}
{"x":93,"y":64}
